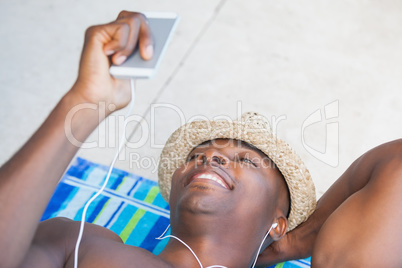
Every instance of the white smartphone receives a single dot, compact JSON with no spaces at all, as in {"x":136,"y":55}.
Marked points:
{"x":162,"y":26}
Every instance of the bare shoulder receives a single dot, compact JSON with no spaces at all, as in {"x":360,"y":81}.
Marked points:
{"x":101,"y":247}
{"x":366,"y":222}
{"x":54,"y":244}
{"x":383,"y":152}
{"x":67,"y":229}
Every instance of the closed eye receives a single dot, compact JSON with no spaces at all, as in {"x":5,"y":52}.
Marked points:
{"x":248,"y":161}
{"x":191,"y":157}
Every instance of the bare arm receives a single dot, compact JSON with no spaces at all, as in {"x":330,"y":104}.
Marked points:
{"x":29,"y":178}
{"x":299,"y":242}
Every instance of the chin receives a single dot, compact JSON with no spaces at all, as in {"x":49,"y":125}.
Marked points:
{"x":201,"y":200}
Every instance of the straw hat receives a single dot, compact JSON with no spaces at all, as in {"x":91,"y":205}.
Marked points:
{"x":255,"y":130}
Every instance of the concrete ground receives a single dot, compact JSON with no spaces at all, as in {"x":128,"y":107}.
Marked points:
{"x":327,"y":74}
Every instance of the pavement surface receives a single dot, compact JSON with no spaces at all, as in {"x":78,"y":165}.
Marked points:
{"x":326,"y":74}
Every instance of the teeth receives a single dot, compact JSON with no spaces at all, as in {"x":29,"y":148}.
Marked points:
{"x":211,"y":177}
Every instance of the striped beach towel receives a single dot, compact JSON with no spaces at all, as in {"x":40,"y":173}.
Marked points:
{"x":130,"y":205}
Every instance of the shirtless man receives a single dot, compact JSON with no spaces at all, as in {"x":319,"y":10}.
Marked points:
{"x":355,"y":223}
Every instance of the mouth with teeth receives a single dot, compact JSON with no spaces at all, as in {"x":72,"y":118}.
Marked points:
{"x":208,"y":177}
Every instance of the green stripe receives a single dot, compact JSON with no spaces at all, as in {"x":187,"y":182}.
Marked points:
{"x":152,"y":195}
{"x":131,"y":224}
{"x":138,"y":214}
{"x":280,"y":265}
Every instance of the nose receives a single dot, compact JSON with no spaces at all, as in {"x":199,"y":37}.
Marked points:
{"x":213,"y":157}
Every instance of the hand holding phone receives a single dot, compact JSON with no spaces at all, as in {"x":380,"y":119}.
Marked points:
{"x":162,"y":25}
{"x":112,"y":40}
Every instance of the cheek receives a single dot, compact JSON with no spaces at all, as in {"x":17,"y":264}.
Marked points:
{"x":252,"y":179}
{"x":177,"y":184}
{"x":259,"y":208}
{"x":178,"y":174}
{"x":256,"y":191}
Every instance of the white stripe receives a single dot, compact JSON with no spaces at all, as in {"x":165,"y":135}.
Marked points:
{"x":299,"y":264}
{"x":104,"y":217}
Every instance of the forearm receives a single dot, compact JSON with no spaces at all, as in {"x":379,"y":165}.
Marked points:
{"x":29,"y":178}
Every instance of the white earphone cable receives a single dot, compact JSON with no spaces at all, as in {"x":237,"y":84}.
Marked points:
{"x":262,"y":242}
{"x":214,"y":266}
{"x":122,"y":142}
{"x":187,"y":246}
{"x":163,"y":237}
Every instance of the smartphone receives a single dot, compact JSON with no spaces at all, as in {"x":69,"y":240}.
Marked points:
{"x":162,"y":26}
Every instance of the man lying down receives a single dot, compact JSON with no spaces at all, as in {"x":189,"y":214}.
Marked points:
{"x":236,"y":192}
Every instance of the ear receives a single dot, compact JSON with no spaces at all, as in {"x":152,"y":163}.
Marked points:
{"x":280,"y":230}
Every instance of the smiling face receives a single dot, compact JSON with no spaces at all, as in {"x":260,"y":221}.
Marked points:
{"x":231,"y":181}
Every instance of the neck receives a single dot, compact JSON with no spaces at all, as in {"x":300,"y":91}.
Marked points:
{"x":220,"y":244}
{"x":208,"y":254}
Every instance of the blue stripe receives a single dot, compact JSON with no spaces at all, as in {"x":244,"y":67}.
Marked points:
{"x":95,"y":212}
{"x":60,"y":195}
{"x":114,"y":215}
{"x":66,"y":202}
{"x":143,"y":189}
{"x":142,"y":229}
{"x":151,"y":243}
{"x":86,"y":173}
{"x":78,"y":216}
{"x":115,"y":179}
{"x":295,"y":264}
{"x":80,"y":168}
{"x":123,"y":219}
{"x":135,"y":184}
{"x":116,"y":182}
{"x":306,"y":260}
{"x":161,"y":245}
{"x":160,"y":202}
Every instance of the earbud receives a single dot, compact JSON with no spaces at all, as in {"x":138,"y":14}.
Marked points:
{"x":274,"y":225}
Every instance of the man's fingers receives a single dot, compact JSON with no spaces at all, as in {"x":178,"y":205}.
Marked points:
{"x":140,"y":31}
{"x":119,"y":40}
{"x":146,"y":42}
{"x":134,"y":23}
